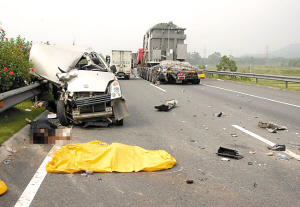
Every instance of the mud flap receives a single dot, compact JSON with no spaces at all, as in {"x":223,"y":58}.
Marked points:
{"x":120,"y":109}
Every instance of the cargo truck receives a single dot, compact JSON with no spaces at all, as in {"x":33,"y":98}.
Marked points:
{"x":120,"y":61}
{"x":163,"y":55}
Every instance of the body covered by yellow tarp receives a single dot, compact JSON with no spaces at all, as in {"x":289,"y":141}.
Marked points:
{"x":101,"y":157}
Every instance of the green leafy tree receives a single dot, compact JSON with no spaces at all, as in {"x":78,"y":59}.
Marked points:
{"x":227,"y":65}
{"x":15,"y":66}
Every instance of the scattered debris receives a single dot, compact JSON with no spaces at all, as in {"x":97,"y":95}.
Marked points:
{"x":233,"y":135}
{"x":166,"y":105}
{"x":219,"y":114}
{"x":6,"y":162}
{"x":252,"y":152}
{"x":188,"y":181}
{"x":255,"y":184}
{"x":277,"y":147}
{"x":83,"y":174}
{"x":89,"y":172}
{"x":229,"y":153}
{"x":271,"y":127}
{"x":250,"y":163}
{"x":28,"y":110}
{"x":194,"y":116}
{"x":225,"y":159}
{"x":281,"y":156}
{"x":292,"y":143}
{"x":3,"y":187}
{"x":11,"y":148}
{"x":270,"y":153}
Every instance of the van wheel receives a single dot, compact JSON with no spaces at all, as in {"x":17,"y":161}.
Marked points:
{"x":119,"y":122}
{"x":62,"y":115}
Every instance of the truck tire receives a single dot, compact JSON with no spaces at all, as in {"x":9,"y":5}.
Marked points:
{"x":119,"y":122}
{"x":62,"y":115}
{"x":196,"y":81}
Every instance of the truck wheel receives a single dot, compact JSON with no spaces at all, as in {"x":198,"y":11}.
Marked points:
{"x":119,"y":122}
{"x":196,"y":81}
{"x":61,"y":112}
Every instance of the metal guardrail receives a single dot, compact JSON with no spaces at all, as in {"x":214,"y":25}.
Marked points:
{"x":11,"y":98}
{"x":286,"y":79}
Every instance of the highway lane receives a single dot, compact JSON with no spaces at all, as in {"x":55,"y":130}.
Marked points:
{"x":192,"y":135}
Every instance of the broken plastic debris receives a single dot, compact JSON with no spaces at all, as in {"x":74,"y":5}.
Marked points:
{"x":249,"y":163}
{"x":188,"y":181}
{"x":166,"y":105}
{"x":28,"y":110}
{"x":225,"y":159}
{"x":270,"y":153}
{"x":233,"y":135}
{"x":11,"y":149}
{"x":3,"y":187}
{"x":229,"y":153}
{"x":252,"y":152}
{"x":219,"y":114}
{"x":277,"y":147}
{"x":293,"y":143}
{"x":271,"y":127}
{"x":6,"y":162}
{"x":89,"y":172}
{"x":281,"y":156}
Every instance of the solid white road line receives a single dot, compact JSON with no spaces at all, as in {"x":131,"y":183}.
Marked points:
{"x":158,"y":87}
{"x":246,"y":94}
{"x":288,"y":152}
{"x":33,"y":186}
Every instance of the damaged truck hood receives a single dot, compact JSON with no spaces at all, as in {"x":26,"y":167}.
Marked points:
{"x":87,"y":81}
{"x":48,"y":59}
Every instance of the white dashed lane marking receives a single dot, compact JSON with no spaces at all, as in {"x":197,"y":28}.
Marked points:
{"x":288,"y":152}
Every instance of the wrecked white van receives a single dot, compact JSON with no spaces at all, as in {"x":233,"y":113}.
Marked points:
{"x":87,"y":92}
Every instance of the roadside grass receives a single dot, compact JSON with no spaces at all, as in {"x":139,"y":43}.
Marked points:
{"x":13,"y":119}
{"x":271,"y":70}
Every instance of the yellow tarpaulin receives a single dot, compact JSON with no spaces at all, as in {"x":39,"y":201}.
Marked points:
{"x":102,"y":157}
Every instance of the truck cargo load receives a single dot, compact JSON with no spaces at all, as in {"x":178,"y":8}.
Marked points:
{"x":121,"y":63}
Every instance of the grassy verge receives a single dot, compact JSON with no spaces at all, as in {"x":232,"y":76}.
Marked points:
{"x":271,"y":70}
{"x":13,"y":119}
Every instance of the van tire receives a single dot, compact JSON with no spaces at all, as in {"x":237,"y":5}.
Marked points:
{"x":62,"y":115}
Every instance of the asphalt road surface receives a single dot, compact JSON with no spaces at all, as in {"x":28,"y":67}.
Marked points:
{"x":192,"y":135}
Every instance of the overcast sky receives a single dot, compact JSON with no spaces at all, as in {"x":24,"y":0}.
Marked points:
{"x":231,"y":27}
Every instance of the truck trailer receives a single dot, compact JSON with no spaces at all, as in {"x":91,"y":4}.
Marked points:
{"x":163,"y":55}
{"x":121,"y":63}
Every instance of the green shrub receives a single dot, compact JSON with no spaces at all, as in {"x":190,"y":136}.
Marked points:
{"x":15,"y":66}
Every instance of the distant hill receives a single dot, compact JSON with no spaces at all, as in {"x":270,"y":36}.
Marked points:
{"x":290,"y":51}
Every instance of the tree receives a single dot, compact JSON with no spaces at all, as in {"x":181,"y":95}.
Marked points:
{"x":15,"y":66}
{"x":227,"y":65}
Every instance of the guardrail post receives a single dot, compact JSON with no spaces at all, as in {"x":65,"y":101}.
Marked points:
{"x":256,"y":80}
{"x":286,"y":84}
{"x":235,"y":77}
